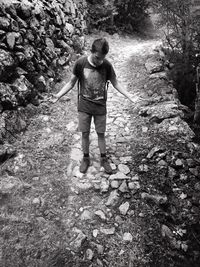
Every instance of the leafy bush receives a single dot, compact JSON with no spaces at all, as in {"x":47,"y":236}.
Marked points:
{"x":131,"y":14}
{"x":182,"y":39}
{"x":127,"y":15}
{"x":100,"y":14}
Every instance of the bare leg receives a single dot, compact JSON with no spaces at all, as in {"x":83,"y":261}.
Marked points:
{"x":85,"y":163}
{"x":102,"y":143}
{"x":85,"y":142}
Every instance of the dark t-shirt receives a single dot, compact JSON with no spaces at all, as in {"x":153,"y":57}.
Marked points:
{"x":92,"y":82}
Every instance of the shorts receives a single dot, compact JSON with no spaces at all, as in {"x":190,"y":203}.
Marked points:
{"x":85,"y":122}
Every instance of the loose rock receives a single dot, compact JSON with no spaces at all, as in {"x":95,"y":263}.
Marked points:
{"x":124,"y":208}
{"x":123,"y":168}
{"x":127,"y":237}
{"x":113,"y":198}
{"x":107,"y":231}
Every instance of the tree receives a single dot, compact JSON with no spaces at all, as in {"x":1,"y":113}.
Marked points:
{"x":182,"y":37}
{"x":111,"y":15}
{"x":131,"y":14}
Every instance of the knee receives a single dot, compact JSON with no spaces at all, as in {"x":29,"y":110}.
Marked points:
{"x":85,"y":135}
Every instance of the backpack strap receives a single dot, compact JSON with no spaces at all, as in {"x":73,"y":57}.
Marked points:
{"x":106,"y":90}
{"x":81,"y":73}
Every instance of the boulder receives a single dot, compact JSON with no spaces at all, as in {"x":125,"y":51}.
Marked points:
{"x":161,"y":111}
{"x":176,"y":127}
{"x":8,"y":99}
{"x":154,"y":64}
{"x":6,"y":64}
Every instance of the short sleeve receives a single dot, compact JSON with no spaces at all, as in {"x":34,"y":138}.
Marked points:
{"x":111,"y":72}
{"x":78,"y":67}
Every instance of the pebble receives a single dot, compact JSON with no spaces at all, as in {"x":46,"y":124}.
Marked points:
{"x":135,"y":178}
{"x":114,"y":184}
{"x":121,"y":252}
{"x":183,"y":196}
{"x":123,"y":187}
{"x":76,"y":154}
{"x":36,"y":201}
{"x":104,"y":186}
{"x":95,"y":233}
{"x":197,"y":186}
{"x":89,"y":254}
{"x":113,"y":166}
{"x":171,"y":172}
{"x":107,"y":231}
{"x":71,"y":126}
{"x":162,"y":163}
{"x":119,"y":220}
{"x":190,"y":162}
{"x":92,"y":170}
{"x":6,"y":187}
{"x":126,"y":159}
{"x":100,"y":264}
{"x":173,"y":129}
{"x":36,"y":178}
{"x":113,"y":198}
{"x":86,"y":215}
{"x":194,"y":171}
{"x":153,"y":151}
{"x":100,"y":249}
{"x":77,"y":242}
{"x":96,"y":185}
{"x":183,"y":177}
{"x":143,"y":168}
{"x":84,"y":186}
{"x":134,"y":185}
{"x":118,"y":176}
{"x":123,"y":168}
{"x":141,"y":215}
{"x":101,"y":215}
{"x":179,"y":163}
{"x":127,"y":237}
{"x":145,"y":129}
{"x":77,"y":173}
{"x":166,"y":232}
{"x":124,"y":208}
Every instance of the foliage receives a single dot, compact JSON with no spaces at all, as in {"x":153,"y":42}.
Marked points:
{"x":131,"y":14}
{"x":110,"y":15}
{"x":100,"y":14}
{"x":182,"y":37}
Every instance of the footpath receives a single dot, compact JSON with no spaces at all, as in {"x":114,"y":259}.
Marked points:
{"x":53,"y":215}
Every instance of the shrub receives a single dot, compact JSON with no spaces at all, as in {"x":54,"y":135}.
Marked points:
{"x":127,"y":15}
{"x":182,"y":39}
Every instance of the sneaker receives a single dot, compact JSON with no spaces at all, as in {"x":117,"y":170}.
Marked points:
{"x":106,"y":165}
{"x":85,"y":163}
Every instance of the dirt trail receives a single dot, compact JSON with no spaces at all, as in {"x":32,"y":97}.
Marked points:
{"x":60,"y":217}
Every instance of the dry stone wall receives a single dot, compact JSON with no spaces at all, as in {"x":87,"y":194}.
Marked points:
{"x":37,"y":39}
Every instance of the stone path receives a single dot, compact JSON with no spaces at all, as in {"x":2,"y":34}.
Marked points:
{"x":52,"y":215}
{"x":92,"y":214}
{"x":120,"y":130}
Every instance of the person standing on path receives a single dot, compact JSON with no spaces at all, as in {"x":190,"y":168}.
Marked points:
{"x":93,"y":73}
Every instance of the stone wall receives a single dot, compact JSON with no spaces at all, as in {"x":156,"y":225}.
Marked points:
{"x":37,"y":39}
{"x":165,"y":113}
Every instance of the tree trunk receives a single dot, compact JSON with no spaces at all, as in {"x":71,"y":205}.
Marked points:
{"x":197,"y":101}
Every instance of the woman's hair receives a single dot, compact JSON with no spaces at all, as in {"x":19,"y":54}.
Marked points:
{"x":100,"y":45}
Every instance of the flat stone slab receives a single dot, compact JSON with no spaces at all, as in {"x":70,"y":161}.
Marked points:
{"x":119,"y":176}
{"x":76,"y":154}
